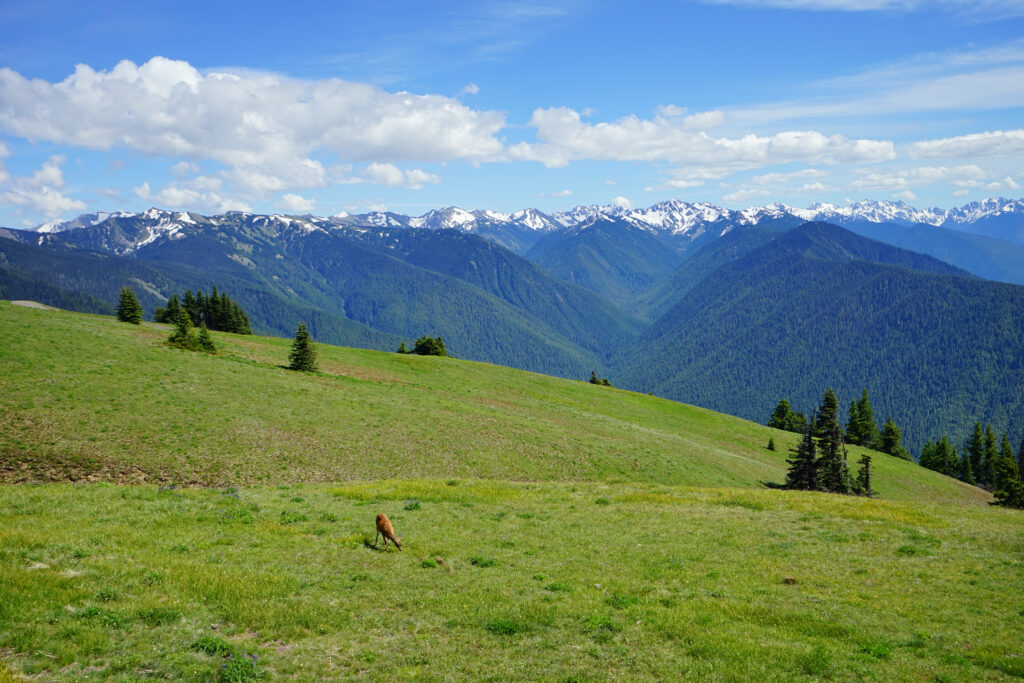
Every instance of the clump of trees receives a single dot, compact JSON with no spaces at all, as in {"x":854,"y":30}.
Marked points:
{"x":784,"y":417}
{"x":981,"y":462}
{"x":595,"y":380}
{"x":861,"y":428}
{"x":216,"y":310}
{"x":819,"y":461}
{"x":129,"y":310}
{"x":302,"y":356}
{"x":430,"y":346}
{"x":183,"y":337}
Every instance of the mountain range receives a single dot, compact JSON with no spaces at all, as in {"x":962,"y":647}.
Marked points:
{"x":730,"y":310}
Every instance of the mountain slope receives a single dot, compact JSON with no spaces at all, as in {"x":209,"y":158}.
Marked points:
{"x":820,"y":307}
{"x":610,"y":257}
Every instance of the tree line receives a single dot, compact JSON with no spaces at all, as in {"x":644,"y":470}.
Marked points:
{"x":819,"y":461}
{"x":216,"y":310}
{"x":982,"y":463}
{"x":861,"y":427}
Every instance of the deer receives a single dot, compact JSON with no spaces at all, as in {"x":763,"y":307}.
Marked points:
{"x":385,"y":529}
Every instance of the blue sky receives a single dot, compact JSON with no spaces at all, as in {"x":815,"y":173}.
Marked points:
{"x":330,"y":107}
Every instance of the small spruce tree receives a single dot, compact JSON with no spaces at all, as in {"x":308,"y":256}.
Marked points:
{"x":181,"y":335}
{"x":803,"y":466}
{"x":862,"y":487}
{"x":402,"y":349}
{"x":892,"y":440}
{"x":771,"y":444}
{"x":965,"y":472}
{"x":129,"y":310}
{"x":986,"y":476}
{"x":204,"y":341}
{"x":593,"y":378}
{"x":975,"y":448}
{"x":302,"y":356}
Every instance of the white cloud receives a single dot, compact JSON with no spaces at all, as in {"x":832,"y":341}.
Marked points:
{"x":190,"y":198}
{"x":40,"y":194}
{"x":392,"y":176}
{"x":622,"y":202}
{"x":560,"y":193}
{"x":745,"y":194}
{"x":184,"y":169}
{"x":470,"y":89}
{"x":777,"y":179}
{"x":968,"y":175}
{"x":296,"y":204}
{"x":992,"y":143}
{"x":668,"y":110}
{"x":905,"y":194}
{"x":266,"y":128}
{"x":564,"y":137}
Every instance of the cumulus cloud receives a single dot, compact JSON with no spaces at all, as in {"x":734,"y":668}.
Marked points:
{"x":470,"y":89}
{"x":564,"y":137}
{"x":964,"y":176}
{"x":992,"y":143}
{"x":905,"y":194}
{"x":294,"y":203}
{"x":560,"y":193}
{"x":745,"y":194}
{"x":191,"y":197}
{"x":392,"y":176}
{"x":265,"y":127}
{"x":40,"y":193}
{"x":622,"y":202}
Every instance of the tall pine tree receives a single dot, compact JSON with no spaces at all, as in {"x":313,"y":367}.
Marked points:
{"x":986,"y":476}
{"x":862,"y":487}
{"x":129,"y":310}
{"x":302,"y":356}
{"x":975,"y":449}
{"x":892,"y":440}
{"x":803,"y":466}
{"x":833,"y":471}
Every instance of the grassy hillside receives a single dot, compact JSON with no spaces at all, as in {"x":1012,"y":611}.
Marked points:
{"x":86,"y":397}
{"x":552,"y":530}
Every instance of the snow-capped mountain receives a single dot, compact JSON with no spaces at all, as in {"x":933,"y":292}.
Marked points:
{"x":128,"y":232}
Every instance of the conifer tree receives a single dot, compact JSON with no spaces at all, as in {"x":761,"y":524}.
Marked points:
{"x":862,"y":487}
{"x":853,"y":424}
{"x":1005,"y":468}
{"x":833,"y":471}
{"x":780,"y":416}
{"x":402,"y":349}
{"x":867,"y":429}
{"x":966,"y":472}
{"x":302,"y":356}
{"x":593,"y":378}
{"x":129,"y":310}
{"x":191,"y":306}
{"x":1020,"y":460}
{"x":181,"y":335}
{"x":975,"y":448}
{"x":986,"y":475}
{"x":803,"y":466}
{"x":204,"y":341}
{"x":892,"y":440}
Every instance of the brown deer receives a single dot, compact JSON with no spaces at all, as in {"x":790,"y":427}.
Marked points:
{"x":385,"y":529}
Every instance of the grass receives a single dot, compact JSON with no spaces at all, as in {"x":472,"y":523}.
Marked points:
{"x":503,"y":580}
{"x":176,"y":515}
{"x":85,"y":398}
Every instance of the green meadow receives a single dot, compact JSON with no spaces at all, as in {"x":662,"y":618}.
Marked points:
{"x":166,"y":514}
